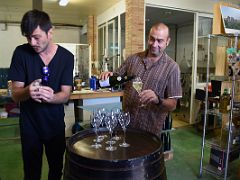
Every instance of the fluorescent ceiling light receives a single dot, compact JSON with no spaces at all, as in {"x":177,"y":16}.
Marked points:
{"x":63,"y":2}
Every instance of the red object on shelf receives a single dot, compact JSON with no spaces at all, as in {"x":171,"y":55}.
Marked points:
{"x":12,"y":109}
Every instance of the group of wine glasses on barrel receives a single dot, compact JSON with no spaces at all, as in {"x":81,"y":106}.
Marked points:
{"x":110,"y":119}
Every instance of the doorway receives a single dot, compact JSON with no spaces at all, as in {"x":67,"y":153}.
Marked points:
{"x":180,"y":49}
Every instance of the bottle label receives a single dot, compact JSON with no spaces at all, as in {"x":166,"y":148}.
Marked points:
{"x":104,"y":83}
{"x":119,"y":78}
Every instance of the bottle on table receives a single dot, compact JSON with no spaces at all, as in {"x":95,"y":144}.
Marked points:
{"x":77,"y":82}
{"x":93,"y":83}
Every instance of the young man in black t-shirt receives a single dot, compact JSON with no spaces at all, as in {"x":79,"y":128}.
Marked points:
{"x":41,"y":105}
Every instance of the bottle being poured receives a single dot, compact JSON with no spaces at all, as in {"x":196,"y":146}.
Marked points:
{"x":115,"y":80}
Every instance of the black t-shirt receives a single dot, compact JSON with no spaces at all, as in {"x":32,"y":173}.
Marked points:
{"x":26,"y":66}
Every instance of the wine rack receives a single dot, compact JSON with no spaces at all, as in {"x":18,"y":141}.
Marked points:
{"x":222,"y":150}
{"x":166,"y":138}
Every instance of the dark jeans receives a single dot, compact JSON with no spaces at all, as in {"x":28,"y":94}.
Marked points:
{"x":32,"y":152}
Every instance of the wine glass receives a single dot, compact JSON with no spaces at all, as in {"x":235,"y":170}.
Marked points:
{"x":115,"y":114}
{"x":110,"y":123}
{"x":95,"y":122}
{"x":124,"y":120}
{"x":137,"y":85}
{"x":102,"y":112}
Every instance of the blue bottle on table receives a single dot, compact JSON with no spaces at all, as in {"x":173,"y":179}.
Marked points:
{"x":93,"y":83}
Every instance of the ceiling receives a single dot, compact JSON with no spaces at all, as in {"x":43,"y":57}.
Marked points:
{"x":75,"y":13}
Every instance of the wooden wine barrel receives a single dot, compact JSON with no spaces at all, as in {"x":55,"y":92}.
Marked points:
{"x":142,"y":160}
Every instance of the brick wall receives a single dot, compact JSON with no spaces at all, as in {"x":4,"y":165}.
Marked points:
{"x":134,"y":26}
{"x":92,"y":35}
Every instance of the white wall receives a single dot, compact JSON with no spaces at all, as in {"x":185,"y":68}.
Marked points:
{"x":112,"y":12}
{"x":12,"y":37}
{"x":66,"y":34}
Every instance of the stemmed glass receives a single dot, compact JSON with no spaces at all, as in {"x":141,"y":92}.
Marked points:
{"x":115,"y":114}
{"x":95,"y":122}
{"x":137,"y":85}
{"x":102,"y":112}
{"x":110,"y":123}
{"x":124,"y":120}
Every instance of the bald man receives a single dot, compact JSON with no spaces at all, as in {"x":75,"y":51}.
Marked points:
{"x":161,"y":84}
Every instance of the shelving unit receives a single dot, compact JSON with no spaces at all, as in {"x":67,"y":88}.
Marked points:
{"x":218,"y":146}
{"x":213,"y":122}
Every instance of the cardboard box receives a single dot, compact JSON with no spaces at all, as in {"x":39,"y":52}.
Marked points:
{"x":218,"y":157}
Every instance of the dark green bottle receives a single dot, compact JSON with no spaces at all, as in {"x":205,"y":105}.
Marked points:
{"x":113,"y":81}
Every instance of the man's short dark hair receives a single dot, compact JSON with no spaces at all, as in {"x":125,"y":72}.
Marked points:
{"x":34,"y":18}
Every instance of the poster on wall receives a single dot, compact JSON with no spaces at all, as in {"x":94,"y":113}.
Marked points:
{"x":231,"y":19}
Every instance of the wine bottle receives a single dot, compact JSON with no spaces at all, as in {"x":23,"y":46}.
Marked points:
{"x":167,"y":122}
{"x":162,"y":139}
{"x":164,"y":125}
{"x":168,"y":142}
{"x":170,"y":121}
{"x":112,"y":81}
{"x":77,"y":82}
{"x":165,"y":142}
{"x":45,"y":76}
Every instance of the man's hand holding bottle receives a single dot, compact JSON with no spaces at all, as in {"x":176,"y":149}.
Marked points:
{"x":105,"y":75}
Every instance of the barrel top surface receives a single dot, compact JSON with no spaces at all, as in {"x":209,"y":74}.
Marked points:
{"x":142,"y":144}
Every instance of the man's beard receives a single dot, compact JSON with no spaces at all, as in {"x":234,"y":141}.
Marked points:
{"x":41,"y":48}
{"x":155,"y":52}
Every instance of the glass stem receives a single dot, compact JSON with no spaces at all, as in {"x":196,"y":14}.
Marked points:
{"x":110,"y":144}
{"x":96,"y":131}
{"x":96,"y":135}
{"x":124,"y":135}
